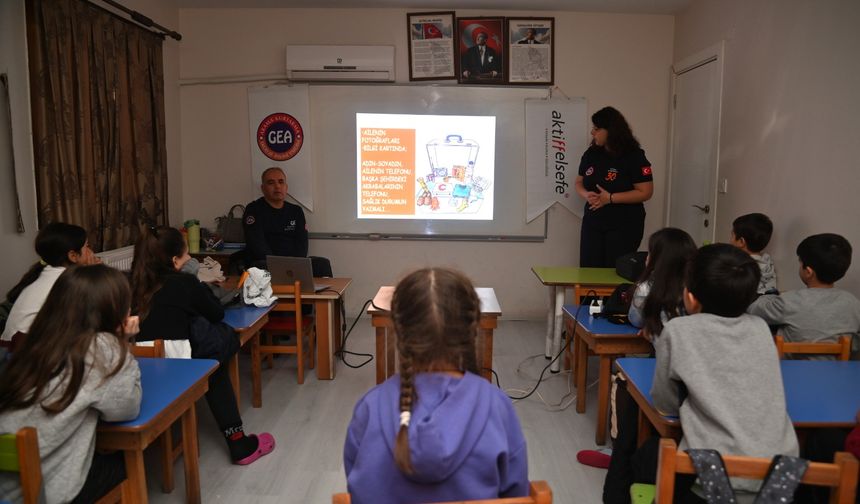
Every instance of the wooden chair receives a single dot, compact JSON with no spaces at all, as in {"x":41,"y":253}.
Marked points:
{"x":19,"y":453}
{"x":840,"y":476}
{"x":286,"y":318}
{"x":539,"y":493}
{"x":842,"y":348}
{"x":156,"y":350}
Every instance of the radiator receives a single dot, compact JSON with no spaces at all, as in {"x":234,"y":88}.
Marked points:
{"x":120,"y":258}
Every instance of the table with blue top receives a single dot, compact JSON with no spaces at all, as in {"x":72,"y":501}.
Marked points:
{"x":169,"y":387}
{"x":817,"y":394}
{"x":606,"y":340}
{"x":247,"y":320}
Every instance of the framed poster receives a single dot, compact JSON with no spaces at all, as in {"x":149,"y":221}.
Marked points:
{"x":481,"y":50}
{"x":531,"y":51}
{"x":431,"y":46}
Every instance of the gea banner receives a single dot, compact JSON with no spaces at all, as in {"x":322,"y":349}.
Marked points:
{"x":556,"y":137}
{"x":280,"y":120}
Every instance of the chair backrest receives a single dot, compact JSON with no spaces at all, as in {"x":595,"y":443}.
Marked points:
{"x":841,"y":475}
{"x":842,"y":348}
{"x":539,"y":493}
{"x":19,"y":453}
{"x":155,"y":350}
{"x":321,"y":266}
{"x":292,"y":304}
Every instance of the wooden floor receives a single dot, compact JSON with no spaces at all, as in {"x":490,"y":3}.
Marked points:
{"x":309,"y":424}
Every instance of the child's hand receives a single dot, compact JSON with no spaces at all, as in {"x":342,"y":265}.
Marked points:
{"x":131,"y":325}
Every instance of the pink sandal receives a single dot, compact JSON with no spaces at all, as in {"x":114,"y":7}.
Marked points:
{"x":265,"y":445}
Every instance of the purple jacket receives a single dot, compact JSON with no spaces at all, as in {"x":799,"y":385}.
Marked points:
{"x":465,"y":442}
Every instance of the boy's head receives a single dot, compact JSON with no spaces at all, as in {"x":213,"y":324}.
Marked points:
{"x":825,"y":255}
{"x":722,"y":280}
{"x":751,"y":232}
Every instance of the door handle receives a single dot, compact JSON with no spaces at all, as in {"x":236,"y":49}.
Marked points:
{"x":706,"y":208}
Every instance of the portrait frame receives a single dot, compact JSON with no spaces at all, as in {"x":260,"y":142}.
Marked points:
{"x":432,"y":43}
{"x":531,"y":51}
{"x":489,"y":68}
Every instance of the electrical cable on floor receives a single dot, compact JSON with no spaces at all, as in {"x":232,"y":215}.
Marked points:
{"x":343,"y":352}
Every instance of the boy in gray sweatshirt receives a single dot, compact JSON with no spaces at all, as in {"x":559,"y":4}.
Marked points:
{"x":820,"y":313}
{"x":717,"y":369}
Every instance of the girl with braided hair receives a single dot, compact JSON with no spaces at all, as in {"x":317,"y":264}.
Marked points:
{"x":436,"y":431}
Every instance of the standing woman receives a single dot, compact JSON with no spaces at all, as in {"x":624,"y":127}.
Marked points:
{"x":614,"y":179}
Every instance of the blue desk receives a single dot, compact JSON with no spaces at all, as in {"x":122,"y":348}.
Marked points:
{"x":247,"y":322}
{"x":817,"y":393}
{"x":606,"y":340}
{"x":170,"y":388}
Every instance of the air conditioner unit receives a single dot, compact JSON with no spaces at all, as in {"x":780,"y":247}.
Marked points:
{"x":340,"y":63}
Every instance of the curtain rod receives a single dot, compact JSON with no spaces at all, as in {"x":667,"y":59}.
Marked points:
{"x":143,"y":20}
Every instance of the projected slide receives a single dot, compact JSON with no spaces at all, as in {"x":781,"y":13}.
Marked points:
{"x":425,"y":166}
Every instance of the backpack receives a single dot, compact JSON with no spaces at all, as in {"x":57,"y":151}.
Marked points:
{"x":617,"y":305}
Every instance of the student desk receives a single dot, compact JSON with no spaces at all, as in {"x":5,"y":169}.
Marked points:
{"x":380,"y":314}
{"x":817,"y":394}
{"x":170,"y":387}
{"x":247,"y":321}
{"x":327,"y":321}
{"x":608,"y":341}
{"x":582,"y":280}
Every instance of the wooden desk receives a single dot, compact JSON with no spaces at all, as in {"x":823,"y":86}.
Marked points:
{"x":247,"y":322}
{"x":386,"y":347}
{"x":608,"y":341}
{"x":327,"y":322}
{"x":582,"y":280}
{"x":170,"y":388}
{"x":817,"y":394}
{"x":223,"y":256}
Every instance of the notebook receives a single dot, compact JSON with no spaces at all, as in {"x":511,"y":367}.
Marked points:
{"x":286,"y":270}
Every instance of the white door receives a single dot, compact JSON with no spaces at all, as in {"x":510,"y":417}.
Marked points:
{"x":695,"y":145}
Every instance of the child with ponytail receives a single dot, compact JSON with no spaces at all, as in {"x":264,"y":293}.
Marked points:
{"x":437,"y":431}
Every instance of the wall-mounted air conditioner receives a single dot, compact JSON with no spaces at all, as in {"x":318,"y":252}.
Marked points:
{"x":340,"y":63}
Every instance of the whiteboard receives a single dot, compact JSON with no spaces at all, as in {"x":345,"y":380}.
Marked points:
{"x":333,"y":108}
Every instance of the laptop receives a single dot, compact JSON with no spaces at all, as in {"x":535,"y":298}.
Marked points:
{"x":286,"y":270}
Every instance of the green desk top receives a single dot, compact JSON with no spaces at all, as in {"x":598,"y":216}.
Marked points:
{"x":565,"y":275}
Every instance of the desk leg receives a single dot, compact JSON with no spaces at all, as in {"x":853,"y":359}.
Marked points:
{"x":136,"y":473}
{"x":550,"y":322}
{"x":324,"y":329}
{"x":487,"y":354}
{"x":233,"y":371}
{"x":603,"y":398}
{"x":189,"y":456}
{"x":390,"y":348}
{"x":380,"y":355}
{"x":644,"y":431}
{"x":581,"y":371}
{"x":557,"y":322}
{"x":256,"y":375}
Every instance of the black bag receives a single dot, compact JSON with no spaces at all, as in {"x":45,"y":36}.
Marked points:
{"x":630,"y":266}
{"x":617,"y":305}
{"x":212,"y":340}
{"x":230,"y":227}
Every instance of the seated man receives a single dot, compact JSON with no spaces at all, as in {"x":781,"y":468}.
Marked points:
{"x":272,"y":225}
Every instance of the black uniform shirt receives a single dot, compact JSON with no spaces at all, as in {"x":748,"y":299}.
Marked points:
{"x":274,"y":231}
{"x":614,"y":174}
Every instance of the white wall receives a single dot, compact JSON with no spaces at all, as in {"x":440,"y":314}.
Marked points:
{"x":619,"y":60}
{"x":790,"y":117}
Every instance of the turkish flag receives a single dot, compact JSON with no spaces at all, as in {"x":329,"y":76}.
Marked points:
{"x":431,"y":31}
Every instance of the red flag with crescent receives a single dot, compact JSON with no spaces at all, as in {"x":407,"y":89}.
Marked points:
{"x":431,"y":31}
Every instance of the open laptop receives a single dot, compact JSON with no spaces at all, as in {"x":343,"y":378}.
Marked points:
{"x":286,"y":270}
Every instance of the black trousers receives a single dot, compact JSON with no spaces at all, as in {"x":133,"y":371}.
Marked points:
{"x":222,"y":400}
{"x":601,"y":244}
{"x":106,"y":472}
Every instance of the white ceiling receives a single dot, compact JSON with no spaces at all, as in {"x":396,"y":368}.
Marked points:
{"x":616,"y":6}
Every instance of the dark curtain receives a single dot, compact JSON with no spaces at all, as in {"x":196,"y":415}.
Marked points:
{"x":97,"y":99}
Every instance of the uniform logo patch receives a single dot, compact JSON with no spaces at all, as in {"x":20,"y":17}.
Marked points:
{"x":589,"y":171}
{"x":611,"y":175}
{"x":249,"y":220}
{"x":280,"y":136}
{"x":646,"y":170}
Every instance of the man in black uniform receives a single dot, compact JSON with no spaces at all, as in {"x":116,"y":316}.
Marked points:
{"x":272,"y":225}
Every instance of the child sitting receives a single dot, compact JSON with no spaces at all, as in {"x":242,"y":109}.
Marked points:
{"x":717,"y":369}
{"x":751,"y":233}
{"x":821,"y":312}
{"x":437,"y":431}
{"x":73,"y":369}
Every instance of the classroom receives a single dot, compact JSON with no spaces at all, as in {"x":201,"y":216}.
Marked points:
{"x":789,"y":114}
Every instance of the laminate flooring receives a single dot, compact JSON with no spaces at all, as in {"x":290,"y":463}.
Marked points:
{"x":309,"y":424}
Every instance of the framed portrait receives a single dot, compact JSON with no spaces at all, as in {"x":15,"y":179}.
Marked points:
{"x":431,"y":46}
{"x":481,"y":50}
{"x":531,"y":51}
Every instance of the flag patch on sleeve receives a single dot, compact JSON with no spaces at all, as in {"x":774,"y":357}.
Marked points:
{"x":646,"y":170}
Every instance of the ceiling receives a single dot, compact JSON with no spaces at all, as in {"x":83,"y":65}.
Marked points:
{"x":614,"y":6}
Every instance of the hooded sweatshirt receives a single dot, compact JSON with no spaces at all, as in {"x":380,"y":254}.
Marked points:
{"x":767,"y":284}
{"x":465,"y":442}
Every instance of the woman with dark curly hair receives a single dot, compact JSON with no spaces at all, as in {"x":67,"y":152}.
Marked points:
{"x":614,"y":179}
